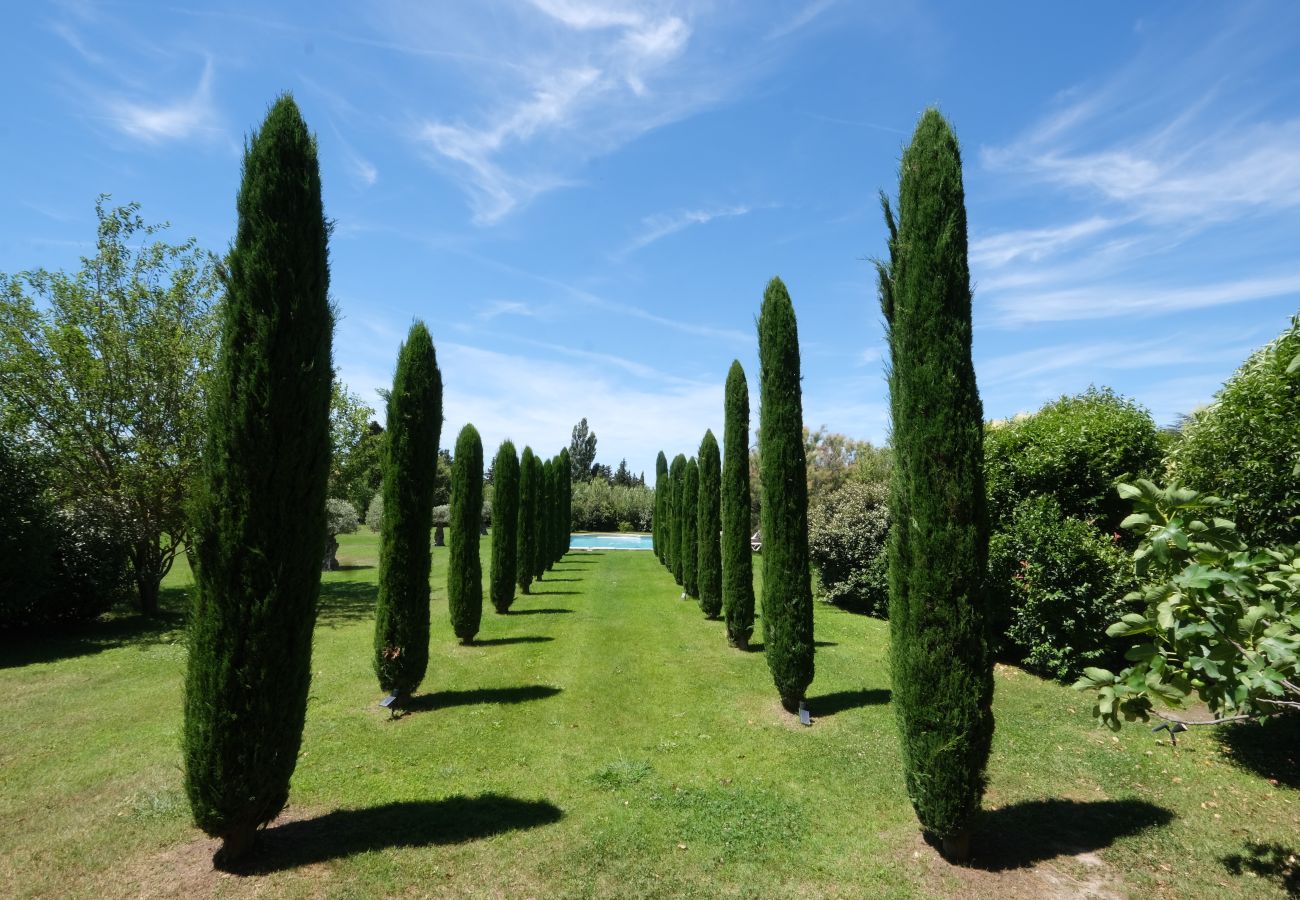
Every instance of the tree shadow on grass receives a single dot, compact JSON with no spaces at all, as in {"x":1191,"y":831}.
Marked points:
{"x":830,"y":704}
{"x":1270,"y":749}
{"x":348,"y":832}
{"x":500,"y":696}
{"x":825,"y":644}
{"x":543,"y":611}
{"x":1273,"y":861}
{"x":560,"y":580}
{"x":342,"y":602}
{"x":554,"y":593}
{"x":1022,"y":834}
{"x":503,"y":641}
{"x":352,"y":568}
{"x":119,"y":628}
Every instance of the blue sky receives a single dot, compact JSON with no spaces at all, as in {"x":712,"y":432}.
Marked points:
{"x":584,"y":200}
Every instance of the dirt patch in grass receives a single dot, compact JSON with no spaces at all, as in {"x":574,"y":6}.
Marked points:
{"x":1081,"y":875}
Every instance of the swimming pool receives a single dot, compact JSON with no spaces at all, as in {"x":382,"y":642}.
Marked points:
{"x":611,"y":542}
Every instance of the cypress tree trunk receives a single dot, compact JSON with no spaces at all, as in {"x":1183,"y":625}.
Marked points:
{"x":787,"y":580}
{"x":657,"y":526}
{"x":410,"y":472}
{"x":566,"y":517}
{"x":677,"y":476}
{"x":543,"y":522}
{"x":259,"y":523}
{"x":526,"y":562}
{"x":708,"y":525}
{"x":505,"y":532}
{"x":941,"y":663}
{"x":690,"y":530}
{"x":737,"y":556}
{"x":464,"y":570}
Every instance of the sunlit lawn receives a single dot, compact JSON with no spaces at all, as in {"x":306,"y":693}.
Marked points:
{"x":605,"y":741}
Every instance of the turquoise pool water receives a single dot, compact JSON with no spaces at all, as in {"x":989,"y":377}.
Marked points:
{"x":611,"y":542}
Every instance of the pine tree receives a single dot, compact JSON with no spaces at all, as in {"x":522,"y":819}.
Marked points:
{"x":787,"y":579}
{"x":464,"y":570}
{"x":690,"y":529}
{"x":677,"y":477}
{"x":505,"y":530}
{"x":657,"y":526}
{"x":409,"y":475}
{"x":737,"y":556}
{"x":941,"y":663}
{"x":259,"y":523}
{"x":526,"y":561}
{"x":541,"y":501}
{"x":708,"y":518}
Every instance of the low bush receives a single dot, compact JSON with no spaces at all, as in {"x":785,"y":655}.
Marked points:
{"x":846,"y":543}
{"x":1056,"y":583}
{"x":601,"y":506}
{"x":375,"y":513}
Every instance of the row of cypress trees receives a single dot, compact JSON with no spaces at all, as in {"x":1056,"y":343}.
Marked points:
{"x":532,"y":507}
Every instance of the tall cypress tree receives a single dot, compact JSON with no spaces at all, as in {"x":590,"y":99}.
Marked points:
{"x":259,"y":527}
{"x":464,"y":570}
{"x":566,"y":516}
{"x":787,"y":579}
{"x":541,"y":515}
{"x":690,"y":529}
{"x":668,"y":521}
{"x":557,"y":511}
{"x":941,"y":663}
{"x":657,"y":526}
{"x":677,"y":476}
{"x":737,"y":556}
{"x":409,"y":473}
{"x":526,"y":561}
{"x":708,"y":518}
{"x":505,"y":529}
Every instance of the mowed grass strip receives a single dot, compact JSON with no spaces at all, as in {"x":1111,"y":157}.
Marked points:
{"x":603,"y":740}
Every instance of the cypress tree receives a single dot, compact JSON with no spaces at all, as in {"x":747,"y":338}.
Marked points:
{"x":708,"y":568}
{"x":677,"y":475}
{"x":409,"y":475}
{"x":668,"y":520}
{"x":544,"y":521}
{"x":557,"y":511}
{"x":737,"y":556}
{"x":941,"y":663}
{"x":505,"y":531}
{"x":787,"y":579}
{"x":566,"y":516}
{"x":464,"y":570}
{"x":259,"y":523}
{"x":657,"y":526}
{"x":526,"y":561}
{"x":690,"y":529}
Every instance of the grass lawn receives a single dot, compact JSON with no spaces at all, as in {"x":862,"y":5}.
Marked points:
{"x":605,"y":741}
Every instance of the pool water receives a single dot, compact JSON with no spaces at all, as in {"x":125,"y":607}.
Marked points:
{"x":611,"y":542}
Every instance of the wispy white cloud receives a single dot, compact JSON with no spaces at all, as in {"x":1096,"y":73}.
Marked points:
{"x":192,"y":116}
{"x":661,"y":225}
{"x":1034,"y":244}
{"x":804,"y":16}
{"x":497,"y":308}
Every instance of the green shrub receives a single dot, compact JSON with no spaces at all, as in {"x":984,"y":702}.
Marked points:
{"x":464,"y":570}
{"x":1073,"y":449}
{"x":846,"y":542}
{"x":28,"y":533}
{"x":1245,"y":447}
{"x":340,"y":517}
{"x":598,"y":505}
{"x":1056,"y":583}
{"x":375,"y":513}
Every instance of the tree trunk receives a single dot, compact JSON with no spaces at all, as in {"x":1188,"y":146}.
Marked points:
{"x":146,"y":561}
{"x":331,"y":560}
{"x":234,"y":847}
{"x":956,"y":847}
{"x":438,"y":540}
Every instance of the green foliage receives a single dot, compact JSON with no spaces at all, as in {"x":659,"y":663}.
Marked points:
{"x":1245,"y":447}
{"x":690,"y":529}
{"x":941,"y":661}
{"x":375,"y":512}
{"x":566,"y":500}
{"x":356,"y":448}
{"x":106,"y":370}
{"x":708,"y":569}
{"x":582,"y":452}
{"x":505,"y":532}
{"x":836,"y":459}
{"x":846,"y":543}
{"x":27,"y":536}
{"x":661,"y":485}
{"x":464,"y":571}
{"x":259,"y":523}
{"x":1073,"y":449}
{"x":526,"y":542}
{"x":787,"y":578}
{"x":600,"y":506}
{"x":410,"y":470}
{"x":1214,"y":619}
{"x":1056,"y":583}
{"x":676,"y":520}
{"x":544,"y":522}
{"x":340,"y":517}
{"x":737,"y":556}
